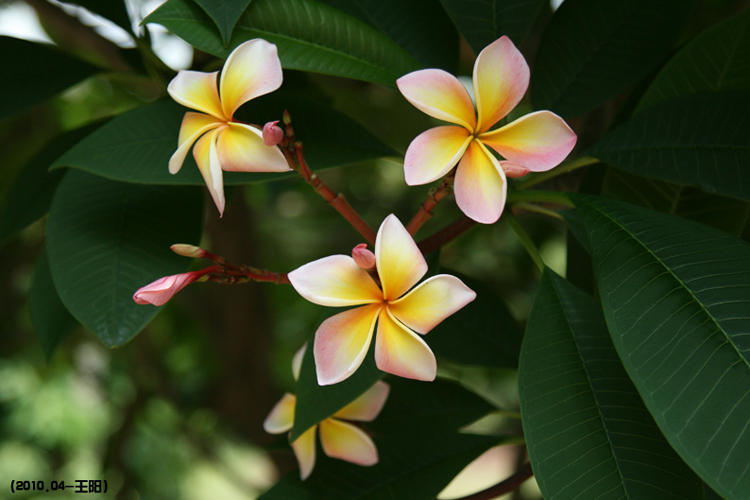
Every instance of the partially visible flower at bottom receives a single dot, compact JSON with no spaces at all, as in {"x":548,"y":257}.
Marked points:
{"x":161,"y":290}
{"x":339,"y":438}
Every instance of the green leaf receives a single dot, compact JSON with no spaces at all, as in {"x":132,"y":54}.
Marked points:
{"x":593,"y":50}
{"x":481,"y":22}
{"x":588,"y":433}
{"x":701,"y":141}
{"x":30,"y":195}
{"x":715,"y":61}
{"x":52,"y":321}
{"x":420,"y":26}
{"x":114,"y":10}
{"x":482,"y":333}
{"x":310,"y":36}
{"x":136,"y":146}
{"x":675,"y":296}
{"x":106,"y":239}
{"x":315,"y":403}
{"x":34,"y":72}
{"x":224,"y":14}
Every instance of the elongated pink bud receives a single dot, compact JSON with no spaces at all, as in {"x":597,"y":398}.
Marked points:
{"x":514,"y":170}
{"x":188,"y":250}
{"x":161,"y":290}
{"x":363,"y":257}
{"x":272,"y":135}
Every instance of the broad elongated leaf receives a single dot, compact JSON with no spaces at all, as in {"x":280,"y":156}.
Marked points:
{"x":420,"y":26}
{"x":310,"y":36}
{"x":482,"y":333}
{"x":34,"y":72}
{"x":676,"y":297}
{"x":701,"y":141}
{"x":30,"y":195}
{"x":52,"y":321}
{"x":482,"y":22}
{"x":588,"y":433}
{"x":717,"y":60}
{"x":225,"y":14}
{"x":593,"y":50}
{"x":136,"y":146}
{"x":106,"y":239}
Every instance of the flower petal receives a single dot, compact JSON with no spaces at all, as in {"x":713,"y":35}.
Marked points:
{"x":400,"y":263}
{"x":197,"y":90}
{"x":241,"y":149}
{"x":297,"y":361}
{"x":440,"y":95}
{"x":401,"y":352}
{"x":335,"y":281}
{"x":347,"y":442}
{"x":193,"y":126}
{"x":501,"y":77}
{"x":342,"y":342}
{"x":480,"y":185}
{"x":368,"y":405}
{"x":281,"y":418}
{"x":252,"y":69}
{"x":161,"y":290}
{"x":538,"y":141}
{"x":304,"y":450}
{"x":431,"y":302}
{"x":207,"y":159}
{"x":433,"y":153}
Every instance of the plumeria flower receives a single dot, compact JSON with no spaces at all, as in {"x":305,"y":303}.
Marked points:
{"x":342,"y":341}
{"x":339,"y":438}
{"x":535,"y":142}
{"x":221,"y":143}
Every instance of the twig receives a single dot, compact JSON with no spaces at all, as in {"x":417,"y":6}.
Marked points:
{"x":433,"y":198}
{"x":448,"y":233}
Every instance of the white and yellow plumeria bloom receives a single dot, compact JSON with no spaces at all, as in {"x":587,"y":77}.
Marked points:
{"x":537,"y":141}
{"x":342,"y":341}
{"x":339,"y":438}
{"x":221,"y":143}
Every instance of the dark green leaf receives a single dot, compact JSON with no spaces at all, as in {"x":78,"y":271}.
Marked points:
{"x":52,"y":321}
{"x":106,"y":239}
{"x":310,"y":36}
{"x":701,"y":141}
{"x":29,"y":197}
{"x":717,"y":60}
{"x":588,"y":432}
{"x":482,"y":333}
{"x":482,"y":22}
{"x":136,"y":146}
{"x":225,"y":14}
{"x":675,"y":296}
{"x":420,"y":26}
{"x":34,"y":72}
{"x":593,"y":50}
{"x":114,"y":10}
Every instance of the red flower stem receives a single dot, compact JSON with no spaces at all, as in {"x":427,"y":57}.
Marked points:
{"x":445,"y":235}
{"x":505,"y":486}
{"x":433,"y":198}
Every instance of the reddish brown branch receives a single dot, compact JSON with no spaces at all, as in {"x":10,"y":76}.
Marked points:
{"x":505,"y":486}
{"x":433,"y":198}
{"x":448,"y":233}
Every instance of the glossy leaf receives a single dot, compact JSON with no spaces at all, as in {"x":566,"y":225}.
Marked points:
{"x":701,"y":141}
{"x":482,"y":333}
{"x":136,"y":146}
{"x":106,"y":239}
{"x":53,"y":323}
{"x":224,"y":14}
{"x":310,"y":36}
{"x":715,"y":61}
{"x":593,"y":50}
{"x":34,"y":72}
{"x":30,"y":195}
{"x":482,"y":22}
{"x":676,"y":296}
{"x":588,"y":433}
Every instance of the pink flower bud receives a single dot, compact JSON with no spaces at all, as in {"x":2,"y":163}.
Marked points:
{"x":514,"y":170}
{"x":363,"y":257}
{"x":272,"y":135}
{"x":188,"y":250}
{"x":161,"y":290}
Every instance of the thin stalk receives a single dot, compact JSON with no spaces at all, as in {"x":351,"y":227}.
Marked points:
{"x":529,"y":207}
{"x":433,"y":198}
{"x":526,"y":241}
{"x":567,"y":166}
{"x":535,"y":196}
{"x":445,"y":235}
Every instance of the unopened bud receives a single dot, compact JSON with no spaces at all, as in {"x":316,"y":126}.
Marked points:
{"x":363,"y":257}
{"x":286,"y":117}
{"x":272,"y":135}
{"x":188,"y":250}
{"x":161,"y":290}
{"x":514,"y":170}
